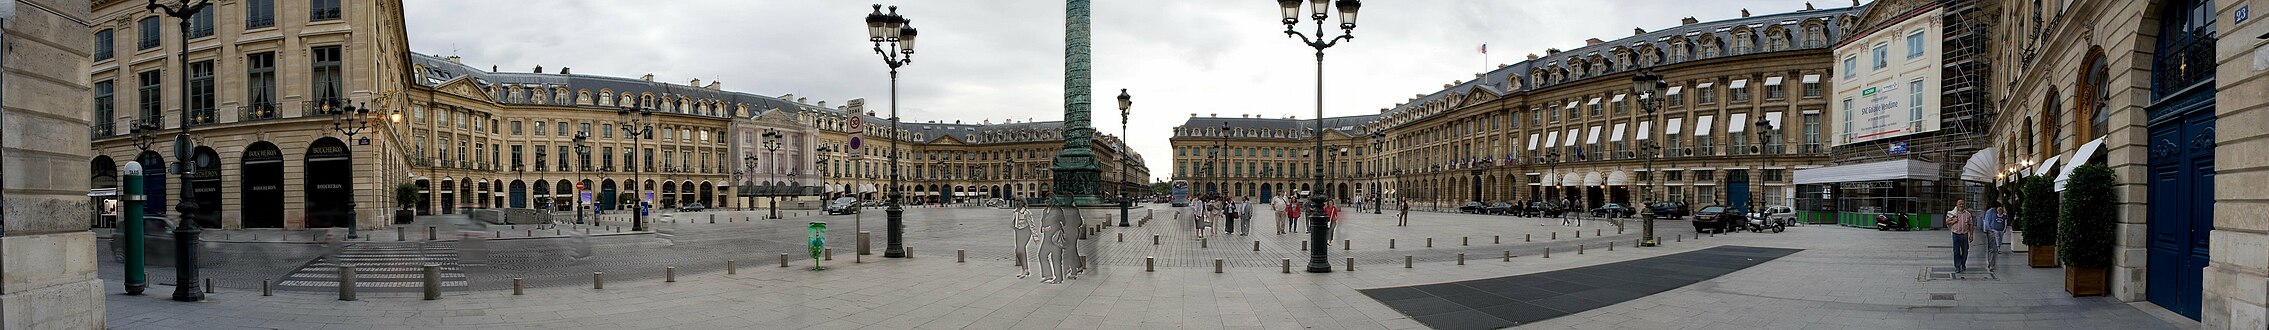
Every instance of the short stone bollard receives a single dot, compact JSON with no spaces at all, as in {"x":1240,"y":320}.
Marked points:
{"x":827,"y":254}
{"x":429,"y":233}
{"x":1596,"y":232}
{"x":516,"y":286}
{"x":1153,"y":239}
{"x":1350,"y":264}
{"x":1528,"y":237}
{"x":1149,"y":264}
{"x":1303,"y":245}
{"x":669,"y":274}
{"x":1287,"y":265}
{"x":267,"y":289}
{"x":399,"y":234}
{"x":1508,"y":255}
{"x":1461,"y":259}
{"x":1680,"y":238}
{"x":1579,"y":234}
{"x":1216,"y":265}
{"x":1548,"y":252}
{"x":1122,"y":237}
{"x":1555,"y":236}
{"x":347,"y":283}
{"x":783,"y":260}
{"x":1579,"y":249}
{"x":1429,"y":242}
{"x":1611,"y":246}
{"x":1201,"y":242}
{"x":1256,"y":245}
{"x":1496,"y":239}
{"x":1390,"y":244}
{"x":531,"y":233}
{"x":960,"y":255}
{"x":909,"y":252}
{"x":712,"y":219}
{"x":1346,"y":244}
{"x":1406,"y":261}
{"x":598,"y":280}
{"x":1465,"y":241}
{"x":730,"y":269}
{"x":432,"y":281}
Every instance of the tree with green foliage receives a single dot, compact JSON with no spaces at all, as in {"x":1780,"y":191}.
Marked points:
{"x":2038,"y":211}
{"x":407,"y":196}
{"x":2090,"y":213}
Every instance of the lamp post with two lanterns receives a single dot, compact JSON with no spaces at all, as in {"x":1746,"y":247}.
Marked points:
{"x":1318,"y":224}
{"x":1649,"y":86}
{"x":892,"y":28}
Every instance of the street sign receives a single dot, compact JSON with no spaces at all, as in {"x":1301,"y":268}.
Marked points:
{"x":1899,"y":148}
{"x":856,"y":142}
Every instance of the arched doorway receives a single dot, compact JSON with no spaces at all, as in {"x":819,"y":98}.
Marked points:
{"x":563,"y":195}
{"x":425,"y":193}
{"x":207,"y":175}
{"x":329,"y":171}
{"x":708,"y":194}
{"x":542,"y":196}
{"x":448,"y":196}
{"x":519,"y":194}
{"x":669,"y":194}
{"x":607,"y":195}
{"x":1268,"y":191}
{"x":153,"y":183}
{"x":685,"y":193}
{"x":103,"y":176}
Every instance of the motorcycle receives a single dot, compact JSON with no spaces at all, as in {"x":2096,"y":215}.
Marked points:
{"x":1885,"y":222}
{"x":1758,"y":223}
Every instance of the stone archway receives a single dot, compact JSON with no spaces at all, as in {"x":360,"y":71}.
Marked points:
{"x":330,"y":193}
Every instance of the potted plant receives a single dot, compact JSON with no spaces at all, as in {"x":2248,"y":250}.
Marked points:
{"x":2087,"y":232}
{"x":407,"y":195}
{"x":2038,"y":213}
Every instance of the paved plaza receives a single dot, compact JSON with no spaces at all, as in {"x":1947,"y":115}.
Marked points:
{"x":1839,"y":278}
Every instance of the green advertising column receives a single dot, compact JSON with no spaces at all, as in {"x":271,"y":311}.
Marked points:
{"x":818,"y":244}
{"x":136,"y":280}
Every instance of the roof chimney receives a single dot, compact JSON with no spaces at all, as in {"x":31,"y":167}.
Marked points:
{"x":1551,"y":51}
{"x":802,"y":100}
{"x":1807,"y":6}
{"x":823,"y":104}
{"x":1854,"y":3}
{"x":1745,"y":12}
{"x":1532,"y":56}
{"x":456,"y":59}
{"x":1193,"y":115}
{"x":539,"y":69}
{"x":1214,"y":115}
{"x":491,"y":68}
{"x":696,"y":82}
{"x":1690,"y":19}
{"x":715,"y":85}
{"x":649,"y":77}
{"x":1501,"y":66}
{"x":1592,"y":41}
{"x":1638,"y":31}
{"x":563,"y":70}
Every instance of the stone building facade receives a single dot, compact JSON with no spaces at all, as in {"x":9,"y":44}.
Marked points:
{"x":2141,"y":86}
{"x":47,"y":274}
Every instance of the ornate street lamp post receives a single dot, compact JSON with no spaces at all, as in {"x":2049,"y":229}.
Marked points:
{"x":185,"y":235}
{"x":1378,"y":199}
{"x":1650,"y":87}
{"x":1126,"y":102}
{"x":893,"y":29}
{"x":583,"y":160}
{"x":350,"y":121}
{"x":1319,"y":230}
{"x":1765,"y":134}
{"x":771,"y":147}
{"x":635,"y":122}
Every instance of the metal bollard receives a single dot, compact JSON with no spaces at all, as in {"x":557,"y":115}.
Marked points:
{"x":347,"y":283}
{"x":1594,"y":232}
{"x":960,"y":255}
{"x":827,"y":254}
{"x":1579,"y":249}
{"x":1611,"y":246}
{"x":1390,"y":244}
{"x":909,"y":252}
{"x":1287,"y":265}
{"x":1346,"y":244}
{"x":516,"y":286}
{"x":1256,"y":245}
{"x":1429,"y":242}
{"x":712,"y":219}
{"x":1216,"y":265}
{"x":399,"y":234}
{"x":432,"y":281}
{"x":1508,"y":255}
{"x":1153,"y":239}
{"x":1579,"y":234}
{"x":1465,"y":241}
{"x":669,"y":274}
{"x":1350,"y":264}
{"x":555,"y":232}
{"x":598,"y":280}
{"x":1555,"y":235}
{"x":1149,"y":264}
{"x":1461,"y":259}
{"x":1681,"y":238}
{"x":1201,"y":242}
{"x":1303,"y":245}
{"x":1548,"y":252}
{"x":783,"y":260}
{"x":1122,"y":237}
{"x":531,"y":233}
{"x":1406,"y":261}
{"x":1528,"y":237}
{"x":208,"y":285}
{"x":730,"y":269}
{"x":266,"y":289}
{"x":1496,"y":239}
{"x":429,"y":233}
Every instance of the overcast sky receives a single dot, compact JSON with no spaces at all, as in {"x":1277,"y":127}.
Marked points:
{"x":1003,"y":59}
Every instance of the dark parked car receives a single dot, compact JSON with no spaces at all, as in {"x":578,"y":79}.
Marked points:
{"x":1541,"y":209}
{"x":692,"y":207}
{"x":1668,"y":210}
{"x":1500,"y":208}
{"x":1717,"y":218}
{"x":1472,"y":207}
{"x":843,"y":205}
{"x":1613,"y":210}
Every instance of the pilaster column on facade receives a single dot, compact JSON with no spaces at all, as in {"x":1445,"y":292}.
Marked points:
{"x":2235,"y":295}
{"x":47,"y":255}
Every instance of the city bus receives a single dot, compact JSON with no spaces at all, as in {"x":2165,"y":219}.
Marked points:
{"x":1181,"y":193}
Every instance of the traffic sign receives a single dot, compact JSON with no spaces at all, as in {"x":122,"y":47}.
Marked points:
{"x":856,"y":142}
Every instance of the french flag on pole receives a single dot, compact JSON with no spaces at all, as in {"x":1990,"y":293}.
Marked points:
{"x":1484,"y":48}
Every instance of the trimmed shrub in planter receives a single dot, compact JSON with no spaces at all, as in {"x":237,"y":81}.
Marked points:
{"x":2086,"y":236}
{"x":2037,"y":208}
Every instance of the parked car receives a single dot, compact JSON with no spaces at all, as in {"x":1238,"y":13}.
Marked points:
{"x":1500,"y":208}
{"x":1776,"y":215}
{"x":843,"y":205}
{"x":1541,"y":209}
{"x":1668,"y":210}
{"x":1614,"y":210}
{"x":691,"y":207}
{"x":1717,"y":218}
{"x":1472,"y":207}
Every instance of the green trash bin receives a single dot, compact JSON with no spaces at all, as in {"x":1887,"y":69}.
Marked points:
{"x":816,"y":232}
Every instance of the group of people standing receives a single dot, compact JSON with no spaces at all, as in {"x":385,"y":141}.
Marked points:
{"x":1992,"y":223}
{"x":1224,"y":212}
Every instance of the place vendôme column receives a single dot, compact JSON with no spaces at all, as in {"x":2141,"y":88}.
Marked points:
{"x":46,"y":252}
{"x":1076,"y":170}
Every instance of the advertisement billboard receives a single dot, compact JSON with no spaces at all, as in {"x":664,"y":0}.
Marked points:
{"x":1886,"y":82}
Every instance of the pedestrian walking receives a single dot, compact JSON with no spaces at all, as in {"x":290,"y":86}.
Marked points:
{"x":1992,"y":225}
{"x":1402,"y":219}
{"x":1229,"y":215}
{"x":1276,"y":208}
{"x":1959,"y":220}
{"x":1245,"y":207}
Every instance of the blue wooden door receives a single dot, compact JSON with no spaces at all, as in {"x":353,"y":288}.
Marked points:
{"x":2181,"y":209}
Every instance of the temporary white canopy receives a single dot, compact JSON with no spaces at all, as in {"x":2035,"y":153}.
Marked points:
{"x":1981,"y":166}
{"x":1619,"y":178}
{"x":2080,"y":157}
{"x":1552,"y":138}
{"x":1618,"y":137}
{"x":1673,"y":127}
{"x":1593,"y":136}
{"x":1739,"y":123}
{"x":1704,"y":85}
{"x":1618,"y":98}
{"x":1645,"y":130}
{"x":1544,"y":180}
{"x":1594,"y":101}
{"x":1775,"y":118}
{"x":1877,"y":171}
{"x":1571,"y":104}
{"x":1702,"y":125}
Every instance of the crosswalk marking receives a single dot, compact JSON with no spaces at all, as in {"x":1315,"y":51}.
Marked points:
{"x":380,"y":266}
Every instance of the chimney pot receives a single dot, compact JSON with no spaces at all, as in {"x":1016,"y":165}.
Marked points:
{"x":563,"y":70}
{"x":1532,"y":56}
{"x":1592,"y":41}
{"x":1551,"y":51}
{"x":716,"y":85}
{"x":649,"y":77}
{"x":456,"y":59}
{"x":1691,"y":20}
{"x":1744,"y":12}
{"x":539,"y":69}
{"x":1638,"y":31}
{"x":695,"y":82}
{"x":1808,"y":6}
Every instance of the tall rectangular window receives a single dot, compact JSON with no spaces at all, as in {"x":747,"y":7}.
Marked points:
{"x":150,"y":31}
{"x":200,"y":108}
{"x":516,"y":128}
{"x":1882,"y":56}
{"x":201,"y":24}
{"x":607,"y":157}
{"x":561,"y":128}
{"x":1914,"y":45}
{"x":327,"y":75}
{"x":516,"y":162}
{"x":1812,"y":89}
{"x":260,"y":85}
{"x":1851,"y":67}
{"x":443,"y":151}
{"x":1706,"y":95}
{"x":148,"y":94}
{"x":1914,"y":106}
{"x":539,"y":128}
{"x":562,"y":158}
{"x":259,"y":14}
{"x":322,"y":10}
{"x":106,"y":42}
{"x":1740,"y":94}
{"x":105,"y":125}
{"x":1846,"y":133}
{"x":1811,"y":130}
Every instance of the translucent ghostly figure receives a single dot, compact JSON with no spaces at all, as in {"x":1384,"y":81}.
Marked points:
{"x":1024,"y":241}
{"x":1044,"y":254}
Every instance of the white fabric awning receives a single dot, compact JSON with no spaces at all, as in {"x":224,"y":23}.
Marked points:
{"x":1571,"y":104}
{"x":1618,"y":136}
{"x":1704,"y":85}
{"x":1593,"y":136}
{"x":1772,"y":81}
{"x":1982,"y":166}
{"x":1811,"y":79}
{"x":1545,"y":180}
{"x":1617,"y":98}
{"x":1739,"y":123}
{"x":1738,"y":84}
{"x":1571,"y":141}
{"x":1646,"y":130}
{"x":1594,"y":101}
{"x":1552,"y":138}
{"x":1571,"y":179}
{"x":1775,"y":118}
{"x":1532,"y":141}
{"x":1675,"y":124}
{"x":2079,"y":157}
{"x":1593,"y":179}
{"x":2045,"y":165}
{"x":1674,"y":90}
{"x":1619,"y":178}
{"x":1702,"y":125}
{"x":1903,"y":169}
